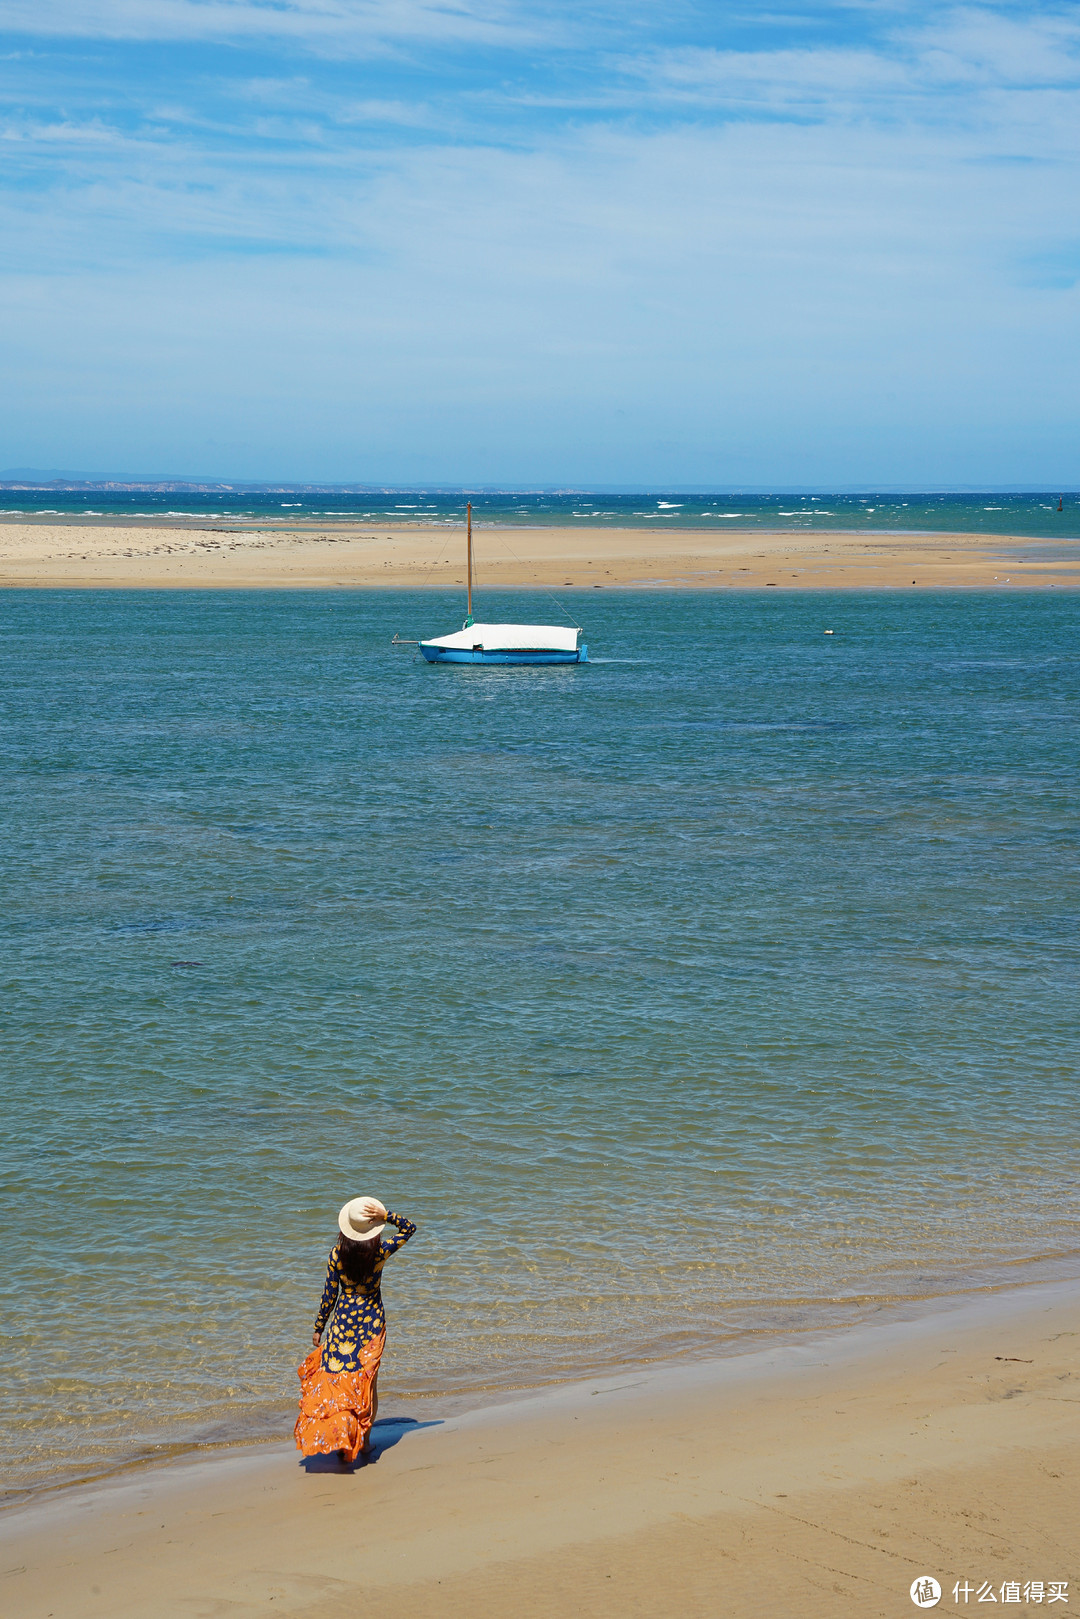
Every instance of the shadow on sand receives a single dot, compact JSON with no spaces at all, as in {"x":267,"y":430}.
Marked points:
{"x":385,"y":1434}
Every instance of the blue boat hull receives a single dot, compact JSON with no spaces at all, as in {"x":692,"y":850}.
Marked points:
{"x":444,"y":654}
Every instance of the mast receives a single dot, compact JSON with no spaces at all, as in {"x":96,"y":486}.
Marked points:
{"x":469,"y":543}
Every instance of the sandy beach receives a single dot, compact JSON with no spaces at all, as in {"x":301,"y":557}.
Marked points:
{"x":244,"y":555}
{"x":813,"y":1479}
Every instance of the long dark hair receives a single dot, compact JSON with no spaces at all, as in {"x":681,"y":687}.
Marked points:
{"x":357,"y":1259}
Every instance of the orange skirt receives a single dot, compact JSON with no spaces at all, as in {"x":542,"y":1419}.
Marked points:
{"x":335,"y":1407}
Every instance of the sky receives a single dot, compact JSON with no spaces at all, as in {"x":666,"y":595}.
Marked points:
{"x":496,"y":241}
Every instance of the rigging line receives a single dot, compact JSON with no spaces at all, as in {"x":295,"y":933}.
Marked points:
{"x":446,"y":541}
{"x":539,"y":586}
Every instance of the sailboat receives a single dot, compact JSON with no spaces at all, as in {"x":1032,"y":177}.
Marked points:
{"x":503,"y":643}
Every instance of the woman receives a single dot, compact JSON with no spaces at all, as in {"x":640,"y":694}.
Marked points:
{"x":339,"y":1388}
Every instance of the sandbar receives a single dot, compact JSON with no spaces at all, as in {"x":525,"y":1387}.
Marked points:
{"x":809,"y":1479}
{"x":193,"y":553}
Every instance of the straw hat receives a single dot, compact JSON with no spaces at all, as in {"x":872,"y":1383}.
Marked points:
{"x":354,"y":1223}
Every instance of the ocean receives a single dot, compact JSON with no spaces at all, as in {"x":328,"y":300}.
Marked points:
{"x":722,"y":987}
{"x":1031,"y":514}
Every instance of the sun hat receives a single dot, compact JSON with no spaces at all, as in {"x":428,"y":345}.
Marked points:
{"x":354,"y":1223}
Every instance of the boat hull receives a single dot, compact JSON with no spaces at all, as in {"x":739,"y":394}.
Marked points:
{"x":509,"y":655}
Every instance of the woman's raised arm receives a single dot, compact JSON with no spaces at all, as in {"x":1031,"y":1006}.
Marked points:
{"x":405,"y":1230}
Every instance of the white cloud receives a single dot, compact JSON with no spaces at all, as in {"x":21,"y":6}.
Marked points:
{"x":973,"y":46}
{"x":70,"y":132}
{"x":923,"y":71}
{"x":781,"y":78}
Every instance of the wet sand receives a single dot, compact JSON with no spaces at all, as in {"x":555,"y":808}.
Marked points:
{"x":192,"y":553}
{"x":809,"y":1480}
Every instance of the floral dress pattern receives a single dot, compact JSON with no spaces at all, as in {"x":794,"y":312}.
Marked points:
{"x":359,"y":1315}
{"x":337,"y":1383}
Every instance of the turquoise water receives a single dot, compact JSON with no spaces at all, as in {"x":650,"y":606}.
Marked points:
{"x":1032,"y":514}
{"x":724,"y":986}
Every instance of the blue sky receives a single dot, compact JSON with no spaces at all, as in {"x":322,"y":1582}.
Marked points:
{"x":503,"y":242}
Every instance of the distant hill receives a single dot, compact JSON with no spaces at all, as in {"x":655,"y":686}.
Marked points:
{"x":39,"y":475}
{"x":156,"y":483}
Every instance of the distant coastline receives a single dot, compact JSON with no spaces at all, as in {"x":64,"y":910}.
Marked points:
{"x":31,"y":479}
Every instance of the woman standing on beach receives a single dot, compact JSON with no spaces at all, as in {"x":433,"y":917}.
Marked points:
{"x":339,"y":1387}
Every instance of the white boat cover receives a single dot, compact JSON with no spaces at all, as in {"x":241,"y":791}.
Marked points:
{"x":511,"y":638}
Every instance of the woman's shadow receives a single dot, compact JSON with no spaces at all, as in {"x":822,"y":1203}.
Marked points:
{"x":385,"y":1434}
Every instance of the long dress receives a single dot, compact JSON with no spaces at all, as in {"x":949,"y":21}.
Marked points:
{"x":336,"y":1381}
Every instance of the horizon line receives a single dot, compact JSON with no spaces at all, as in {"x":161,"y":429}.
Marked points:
{"x":13,"y":483}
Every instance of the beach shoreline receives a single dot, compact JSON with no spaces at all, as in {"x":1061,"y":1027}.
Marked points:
{"x":194,"y":553}
{"x":816,"y":1477}
{"x":243,"y":1428}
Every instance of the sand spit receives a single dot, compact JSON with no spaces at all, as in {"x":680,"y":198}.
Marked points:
{"x":193,"y":553}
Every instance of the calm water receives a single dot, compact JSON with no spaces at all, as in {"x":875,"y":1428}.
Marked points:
{"x":728,"y":985}
{"x":1033,"y":514}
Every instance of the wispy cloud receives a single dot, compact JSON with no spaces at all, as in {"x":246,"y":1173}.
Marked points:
{"x":927,"y":70}
{"x":972,"y":45}
{"x":306,"y":23}
{"x":789,"y":79}
{"x":68,"y":132}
